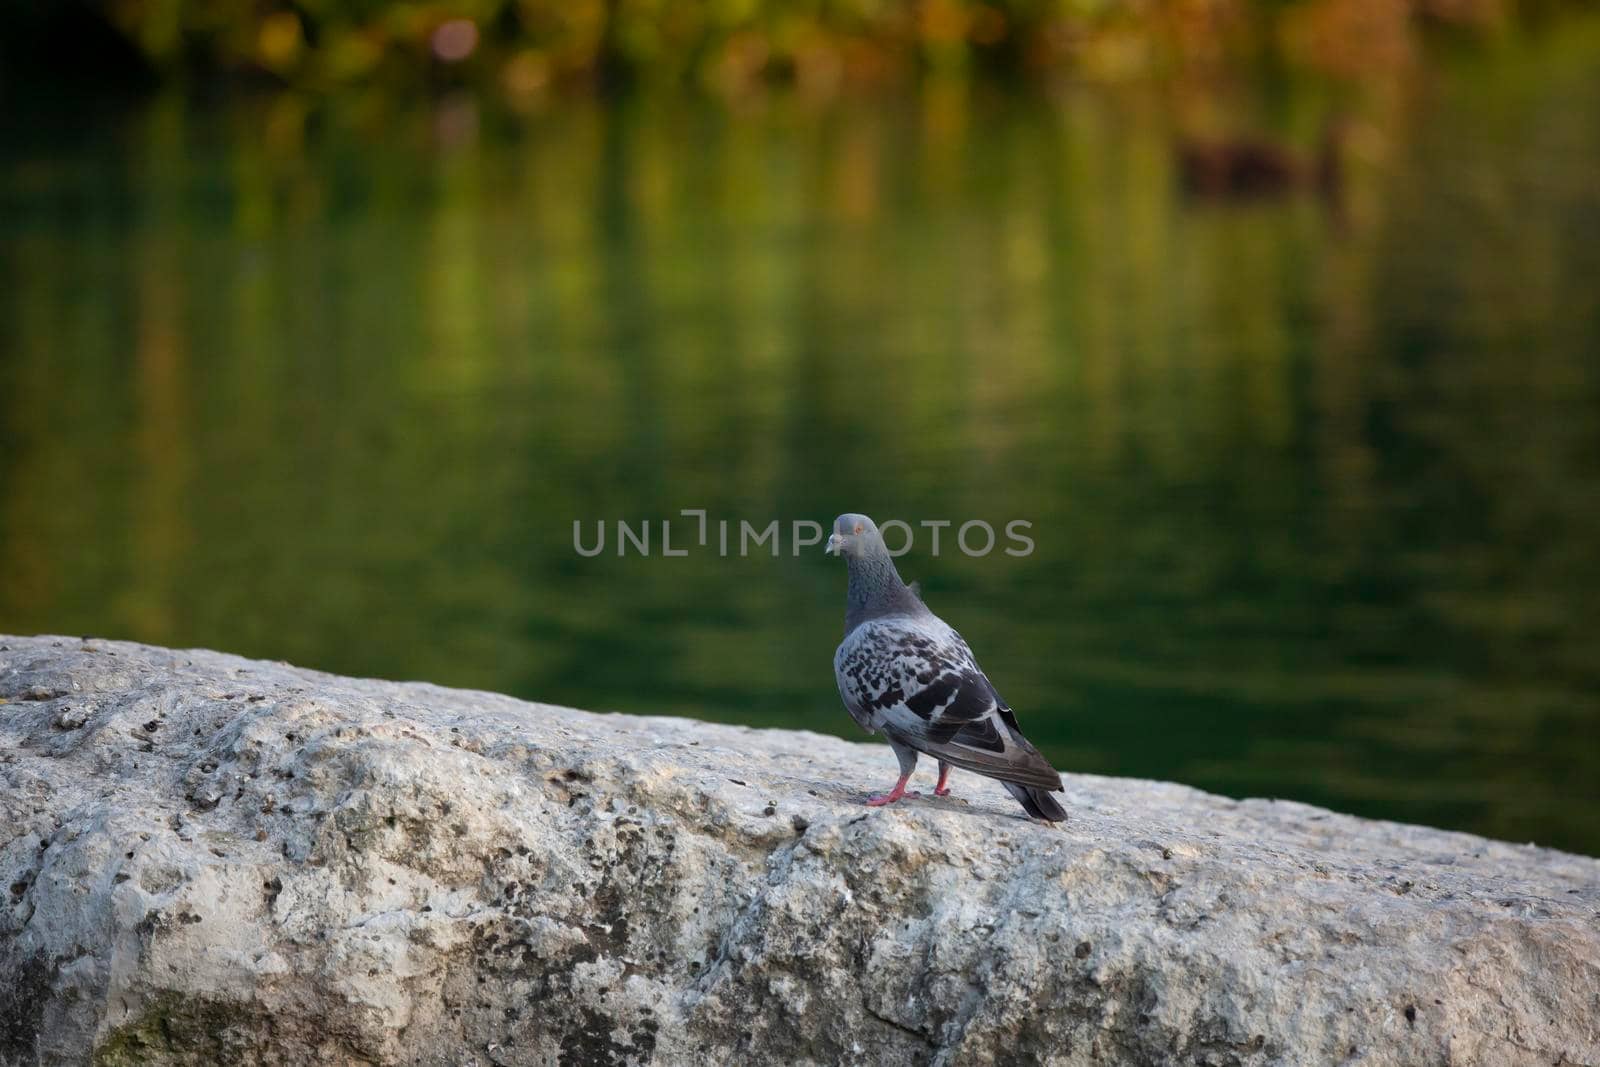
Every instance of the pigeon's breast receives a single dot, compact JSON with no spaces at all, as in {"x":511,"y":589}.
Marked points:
{"x":881,"y":662}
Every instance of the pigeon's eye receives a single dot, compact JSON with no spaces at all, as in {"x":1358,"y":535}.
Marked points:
{"x":858,"y":528}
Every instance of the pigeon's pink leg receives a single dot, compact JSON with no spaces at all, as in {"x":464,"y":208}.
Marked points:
{"x":942,"y":790}
{"x":878,"y":800}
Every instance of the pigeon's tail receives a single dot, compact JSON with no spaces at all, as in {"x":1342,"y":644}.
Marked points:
{"x":1037,"y":802}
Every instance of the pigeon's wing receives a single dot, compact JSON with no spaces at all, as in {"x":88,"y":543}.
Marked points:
{"x":915,"y":679}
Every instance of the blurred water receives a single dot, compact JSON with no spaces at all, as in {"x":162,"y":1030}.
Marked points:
{"x":1315,"y":487}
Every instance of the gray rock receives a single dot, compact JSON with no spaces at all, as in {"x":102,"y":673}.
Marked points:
{"x":237,"y":862}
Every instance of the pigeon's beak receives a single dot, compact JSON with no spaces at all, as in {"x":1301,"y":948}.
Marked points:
{"x":835,"y":545}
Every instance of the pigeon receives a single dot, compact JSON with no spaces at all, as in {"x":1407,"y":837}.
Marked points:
{"x":903,"y":670}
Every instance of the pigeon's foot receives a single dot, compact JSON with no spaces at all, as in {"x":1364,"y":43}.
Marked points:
{"x":878,"y":800}
{"x":941,"y":790}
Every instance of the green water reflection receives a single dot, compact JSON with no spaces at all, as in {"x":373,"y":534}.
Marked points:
{"x":1315,"y":490}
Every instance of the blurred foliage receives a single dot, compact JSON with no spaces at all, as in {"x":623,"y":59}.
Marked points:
{"x":524,"y":49}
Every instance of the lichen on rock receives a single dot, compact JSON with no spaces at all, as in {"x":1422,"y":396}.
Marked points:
{"x":210,"y":859}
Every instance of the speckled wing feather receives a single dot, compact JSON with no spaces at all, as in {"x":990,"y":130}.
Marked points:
{"x":914,"y":678}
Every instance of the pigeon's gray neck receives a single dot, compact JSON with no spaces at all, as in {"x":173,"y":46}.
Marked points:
{"x":876,"y":590}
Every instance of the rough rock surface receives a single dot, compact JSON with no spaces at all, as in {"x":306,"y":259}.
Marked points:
{"x":212,"y":860}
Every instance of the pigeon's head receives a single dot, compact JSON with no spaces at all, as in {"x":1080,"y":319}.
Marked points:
{"x":854,"y":535}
